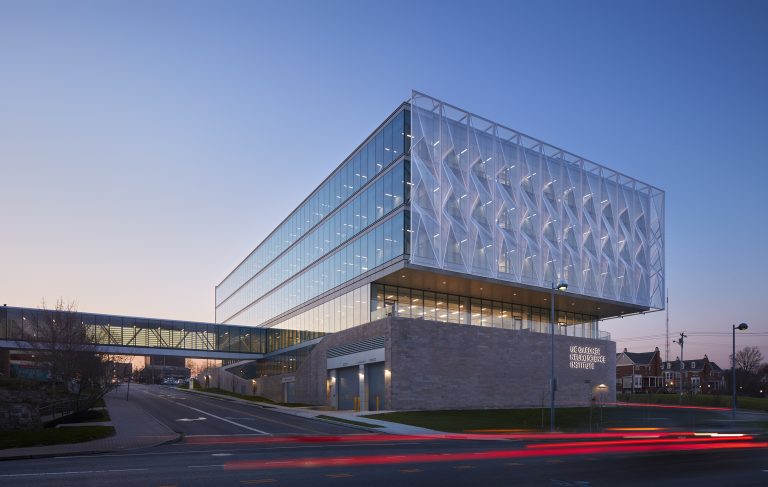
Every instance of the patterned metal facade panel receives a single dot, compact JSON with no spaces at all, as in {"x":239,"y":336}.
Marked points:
{"x":489,"y":201}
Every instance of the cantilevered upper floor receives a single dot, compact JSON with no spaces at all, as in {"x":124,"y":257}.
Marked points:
{"x":438,"y":200}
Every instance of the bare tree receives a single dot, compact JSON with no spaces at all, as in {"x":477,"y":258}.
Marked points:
{"x":64,"y":345}
{"x":749,"y":359}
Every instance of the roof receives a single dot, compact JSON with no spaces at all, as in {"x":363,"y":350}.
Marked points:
{"x":699,"y":362}
{"x":641,"y":357}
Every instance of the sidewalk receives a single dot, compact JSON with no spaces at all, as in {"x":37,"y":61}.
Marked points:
{"x":134,"y":429}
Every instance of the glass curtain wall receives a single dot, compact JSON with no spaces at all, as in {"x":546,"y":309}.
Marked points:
{"x":384,"y":146}
{"x":374,"y":203}
{"x":376,"y":246}
{"x":415,"y":303}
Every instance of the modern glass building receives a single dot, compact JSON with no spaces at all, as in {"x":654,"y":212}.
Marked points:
{"x":443,"y":215}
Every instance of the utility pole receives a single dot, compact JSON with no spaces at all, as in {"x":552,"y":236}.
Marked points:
{"x":666,"y":352}
{"x":681,"y":342}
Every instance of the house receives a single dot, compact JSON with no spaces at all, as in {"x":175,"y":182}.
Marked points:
{"x":641,"y":368}
{"x":696,"y":376}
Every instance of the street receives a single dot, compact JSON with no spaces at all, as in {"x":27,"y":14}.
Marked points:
{"x":195,"y":414}
{"x":227,"y":443}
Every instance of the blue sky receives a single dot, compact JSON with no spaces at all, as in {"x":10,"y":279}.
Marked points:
{"x":147,"y":147}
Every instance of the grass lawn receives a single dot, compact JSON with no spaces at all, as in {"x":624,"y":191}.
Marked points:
{"x":708,"y":400}
{"x":90,"y":416}
{"x":566,"y":419}
{"x":458,"y":421}
{"x":53,"y":436}
{"x":223,"y":392}
{"x":252,"y":398}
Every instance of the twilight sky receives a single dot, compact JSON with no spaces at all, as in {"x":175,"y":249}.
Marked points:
{"x":147,"y":147}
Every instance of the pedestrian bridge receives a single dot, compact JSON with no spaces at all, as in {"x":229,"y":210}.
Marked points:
{"x":22,"y":328}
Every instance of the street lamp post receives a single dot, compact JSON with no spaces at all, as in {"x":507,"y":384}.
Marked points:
{"x":742,"y":326}
{"x":588,"y":382}
{"x":561,"y":286}
{"x":602,"y":388}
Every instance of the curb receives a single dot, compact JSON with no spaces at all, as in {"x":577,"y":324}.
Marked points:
{"x":30,"y":456}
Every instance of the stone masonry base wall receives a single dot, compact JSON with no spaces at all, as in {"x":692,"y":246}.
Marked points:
{"x":436,"y":365}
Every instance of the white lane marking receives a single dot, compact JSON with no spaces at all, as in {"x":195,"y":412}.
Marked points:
{"x":51,"y":473}
{"x":216,"y":436}
{"x":192,"y":419}
{"x":221,"y":454}
{"x":199,"y":452}
{"x":129,"y":470}
{"x":224,"y":419}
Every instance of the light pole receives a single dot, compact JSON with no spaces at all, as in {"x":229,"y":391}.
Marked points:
{"x":561,"y":286}
{"x":742,"y":326}
{"x":602,"y":388}
{"x":588,"y":382}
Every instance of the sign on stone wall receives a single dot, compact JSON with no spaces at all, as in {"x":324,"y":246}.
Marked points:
{"x":585,"y":357}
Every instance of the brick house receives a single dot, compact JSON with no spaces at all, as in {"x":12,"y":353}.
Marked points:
{"x":641,"y":368}
{"x":697,"y":375}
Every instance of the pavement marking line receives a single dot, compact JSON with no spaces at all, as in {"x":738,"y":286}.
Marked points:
{"x":258,"y":481}
{"x":219,"y":436}
{"x":410,"y":470}
{"x":338,"y":475}
{"x":129,"y":470}
{"x":224,"y":419}
{"x":259,"y":417}
{"x":221,"y":454}
{"x":52,"y":473}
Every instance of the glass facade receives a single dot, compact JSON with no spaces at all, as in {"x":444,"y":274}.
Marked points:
{"x":282,"y":363}
{"x":376,"y":246}
{"x":387,"y":144}
{"x":469,"y":197}
{"x":490,"y":201}
{"x":345,"y":311}
{"x":23,"y":325}
{"x":448,"y":308}
{"x":369,"y":206}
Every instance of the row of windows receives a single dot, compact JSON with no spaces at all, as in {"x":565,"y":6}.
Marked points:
{"x":386,"y":241}
{"x":386,"y":146}
{"x":34,"y":325}
{"x":345,"y":311}
{"x":379,"y":199}
{"x":414,"y":303}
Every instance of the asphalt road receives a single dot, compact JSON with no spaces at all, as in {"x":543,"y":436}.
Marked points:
{"x":223,"y":450}
{"x":195,"y":414}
